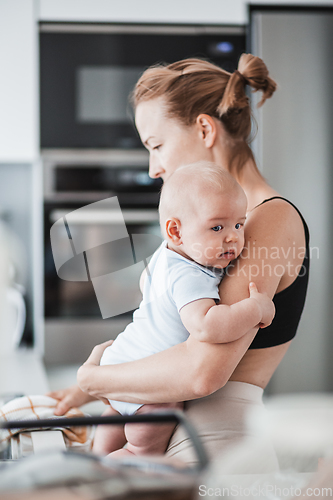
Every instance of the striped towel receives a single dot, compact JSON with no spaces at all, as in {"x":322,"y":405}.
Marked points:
{"x":40,"y":407}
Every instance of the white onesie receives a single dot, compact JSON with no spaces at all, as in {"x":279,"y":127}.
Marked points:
{"x":172,"y":281}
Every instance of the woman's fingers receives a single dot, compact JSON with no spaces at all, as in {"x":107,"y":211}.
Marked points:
{"x":69,"y":398}
{"x":97,"y":352}
{"x":63,"y":407}
{"x":53,"y":394}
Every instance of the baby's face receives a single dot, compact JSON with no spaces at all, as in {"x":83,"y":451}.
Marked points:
{"x":214,"y":235}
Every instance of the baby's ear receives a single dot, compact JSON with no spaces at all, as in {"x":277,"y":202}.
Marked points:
{"x":173,"y":230}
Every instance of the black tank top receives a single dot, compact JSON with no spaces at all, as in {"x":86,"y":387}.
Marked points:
{"x":288,"y":303}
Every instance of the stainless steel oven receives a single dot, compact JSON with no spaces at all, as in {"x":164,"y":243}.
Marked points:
{"x":73,"y":305}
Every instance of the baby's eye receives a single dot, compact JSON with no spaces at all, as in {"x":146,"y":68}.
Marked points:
{"x":238,"y":225}
{"x":157,"y":147}
{"x":217,"y":228}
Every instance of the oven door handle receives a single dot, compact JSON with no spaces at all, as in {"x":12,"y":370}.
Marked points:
{"x":106,"y":216}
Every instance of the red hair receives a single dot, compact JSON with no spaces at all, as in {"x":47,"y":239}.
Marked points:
{"x":193,"y":86}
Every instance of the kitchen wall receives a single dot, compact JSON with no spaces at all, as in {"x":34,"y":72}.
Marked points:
{"x":20,"y":168}
{"x":295,"y":153}
{"x":20,"y":175}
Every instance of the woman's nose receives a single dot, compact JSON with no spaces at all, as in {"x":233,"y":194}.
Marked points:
{"x":155,"y":169}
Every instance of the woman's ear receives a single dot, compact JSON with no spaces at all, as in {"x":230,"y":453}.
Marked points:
{"x":207,"y":128}
{"x":173,"y":231}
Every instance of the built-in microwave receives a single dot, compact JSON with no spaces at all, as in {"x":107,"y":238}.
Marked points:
{"x":88,"y":70}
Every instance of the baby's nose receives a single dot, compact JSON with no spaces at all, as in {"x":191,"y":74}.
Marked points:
{"x":231,"y":236}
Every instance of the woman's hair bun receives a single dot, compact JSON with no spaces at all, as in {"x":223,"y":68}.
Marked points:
{"x":251,"y":71}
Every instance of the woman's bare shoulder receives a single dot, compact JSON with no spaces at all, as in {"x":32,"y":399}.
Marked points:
{"x":274,"y":222}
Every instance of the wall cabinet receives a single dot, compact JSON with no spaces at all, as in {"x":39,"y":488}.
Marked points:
{"x":19,"y":81}
{"x":147,"y":11}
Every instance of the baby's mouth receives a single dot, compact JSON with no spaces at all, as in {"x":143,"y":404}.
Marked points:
{"x":230,"y":255}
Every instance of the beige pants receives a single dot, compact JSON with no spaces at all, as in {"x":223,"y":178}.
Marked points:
{"x":221,"y":421}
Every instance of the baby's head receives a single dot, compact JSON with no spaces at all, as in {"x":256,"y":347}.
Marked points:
{"x":202,"y":214}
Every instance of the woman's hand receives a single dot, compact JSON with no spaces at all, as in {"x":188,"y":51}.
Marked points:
{"x":74,"y":396}
{"x":85,"y":374}
{"x":69,"y":398}
{"x":97,"y":352}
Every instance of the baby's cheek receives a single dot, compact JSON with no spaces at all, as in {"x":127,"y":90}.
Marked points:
{"x":241,"y":243}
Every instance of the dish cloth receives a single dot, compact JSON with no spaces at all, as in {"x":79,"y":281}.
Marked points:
{"x":40,"y":407}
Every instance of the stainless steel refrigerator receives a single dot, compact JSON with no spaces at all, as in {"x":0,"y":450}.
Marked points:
{"x":294,"y":149}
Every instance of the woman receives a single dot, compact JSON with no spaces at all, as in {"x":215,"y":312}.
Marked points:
{"x":189,"y":111}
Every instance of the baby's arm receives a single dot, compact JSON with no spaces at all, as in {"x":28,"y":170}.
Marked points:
{"x":143,"y":279}
{"x":220,"y":323}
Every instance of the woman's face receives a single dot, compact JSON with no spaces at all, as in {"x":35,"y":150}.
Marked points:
{"x":170,"y":143}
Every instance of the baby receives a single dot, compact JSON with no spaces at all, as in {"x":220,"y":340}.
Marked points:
{"x":202,"y":215}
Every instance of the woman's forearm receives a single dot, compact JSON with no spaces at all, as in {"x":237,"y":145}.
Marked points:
{"x":148,"y":380}
{"x":183,"y":372}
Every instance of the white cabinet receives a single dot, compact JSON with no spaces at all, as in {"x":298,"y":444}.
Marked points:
{"x":18,"y":82}
{"x":154,"y":11}
{"x":145,"y":11}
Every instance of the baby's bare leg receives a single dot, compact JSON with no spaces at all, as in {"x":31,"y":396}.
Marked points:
{"x":108,"y":438}
{"x":150,"y":439}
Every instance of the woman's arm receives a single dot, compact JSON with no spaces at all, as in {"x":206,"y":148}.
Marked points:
{"x":179,"y":373}
{"x":194,"y":369}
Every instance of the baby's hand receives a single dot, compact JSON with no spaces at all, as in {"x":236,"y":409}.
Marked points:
{"x":265,"y":303}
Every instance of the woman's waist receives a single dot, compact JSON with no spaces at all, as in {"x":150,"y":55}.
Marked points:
{"x":258,"y":365}
{"x":234,"y":390}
